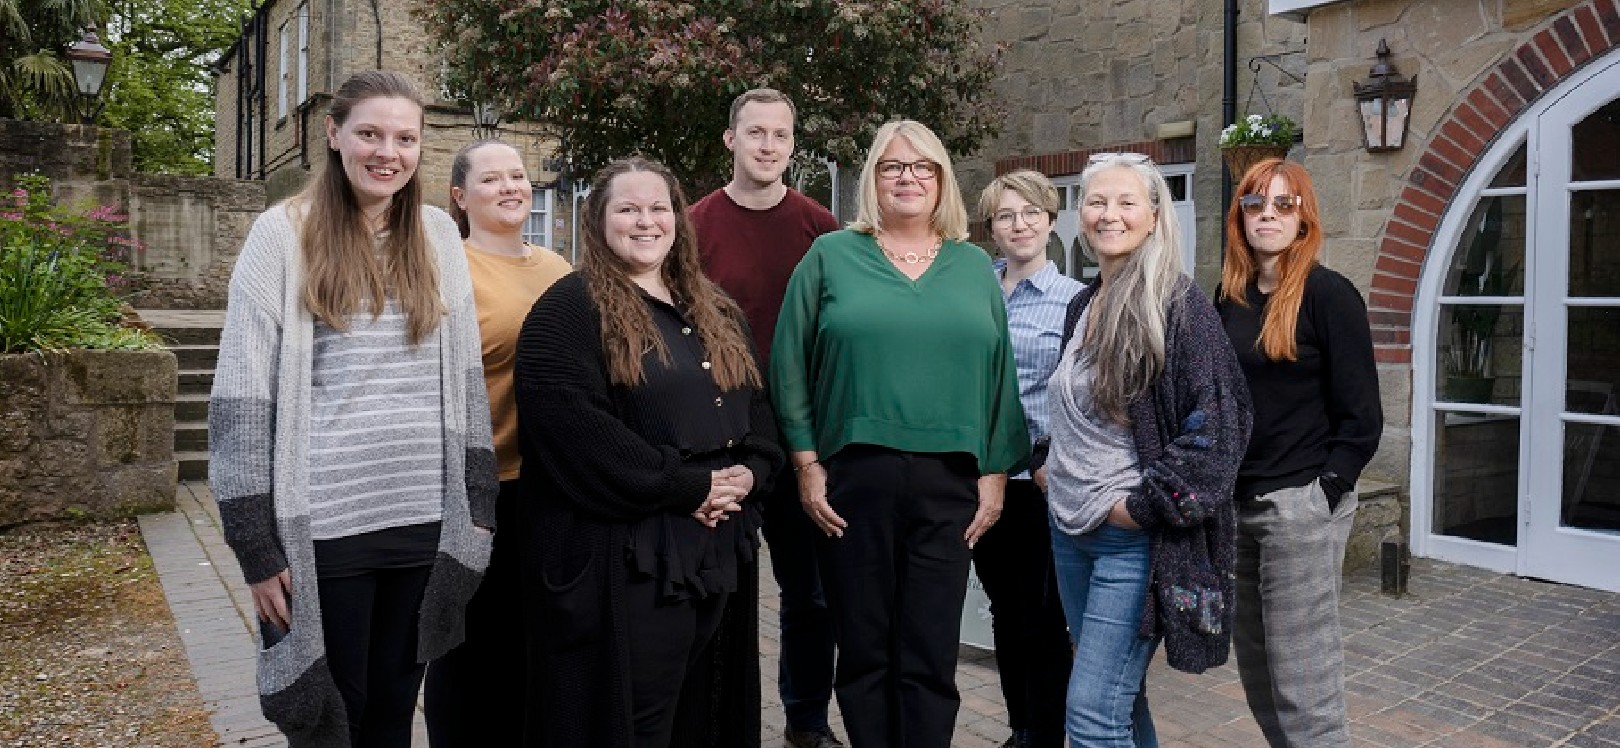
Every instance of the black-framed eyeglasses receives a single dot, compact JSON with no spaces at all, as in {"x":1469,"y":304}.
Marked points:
{"x":1031,"y":214}
{"x":1254,"y":204}
{"x":1122,"y":156}
{"x":921,"y":170}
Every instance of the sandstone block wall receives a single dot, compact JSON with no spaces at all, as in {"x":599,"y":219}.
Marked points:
{"x":86,"y":434}
{"x":192,"y":227}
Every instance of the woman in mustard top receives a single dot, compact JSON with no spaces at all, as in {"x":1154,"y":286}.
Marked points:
{"x":475,"y":692}
{"x":898,"y":397}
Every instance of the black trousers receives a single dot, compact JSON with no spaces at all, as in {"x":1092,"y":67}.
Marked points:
{"x":896,"y":581}
{"x":1014,"y":563}
{"x":666,"y":640}
{"x":808,"y":645}
{"x":474,"y":694}
{"x":370,"y":621}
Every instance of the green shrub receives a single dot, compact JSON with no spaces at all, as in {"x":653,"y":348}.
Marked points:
{"x":62,"y":274}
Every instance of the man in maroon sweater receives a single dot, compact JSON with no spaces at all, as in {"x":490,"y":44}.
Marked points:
{"x":752,"y":233}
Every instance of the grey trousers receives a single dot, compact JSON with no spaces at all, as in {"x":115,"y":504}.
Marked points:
{"x":1290,"y":653}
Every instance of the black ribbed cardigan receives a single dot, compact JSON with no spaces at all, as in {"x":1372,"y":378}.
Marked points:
{"x":590,"y":472}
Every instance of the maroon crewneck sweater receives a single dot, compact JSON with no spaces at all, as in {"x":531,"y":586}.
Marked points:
{"x":751,"y":253}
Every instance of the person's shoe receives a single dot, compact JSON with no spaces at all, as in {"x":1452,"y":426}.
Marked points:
{"x":822,"y":738}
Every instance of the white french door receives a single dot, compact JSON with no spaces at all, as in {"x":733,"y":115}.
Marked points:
{"x":1572,"y":532}
{"x":1516,"y":370}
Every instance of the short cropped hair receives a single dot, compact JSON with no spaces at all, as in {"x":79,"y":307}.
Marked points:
{"x":1029,"y":184}
{"x":761,"y":96}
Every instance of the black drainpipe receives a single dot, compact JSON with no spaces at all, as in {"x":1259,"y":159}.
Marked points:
{"x":262,"y":41}
{"x":1228,"y":104}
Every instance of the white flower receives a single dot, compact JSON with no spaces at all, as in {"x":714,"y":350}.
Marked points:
{"x":1254,"y":118}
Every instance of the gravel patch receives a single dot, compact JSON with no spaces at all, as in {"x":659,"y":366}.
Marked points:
{"x":89,"y":656}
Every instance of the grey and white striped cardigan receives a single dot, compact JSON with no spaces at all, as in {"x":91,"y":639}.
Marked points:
{"x":258,"y":424}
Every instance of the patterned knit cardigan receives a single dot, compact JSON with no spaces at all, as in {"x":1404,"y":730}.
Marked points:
{"x":258,"y":424}
{"x":1190,"y":429}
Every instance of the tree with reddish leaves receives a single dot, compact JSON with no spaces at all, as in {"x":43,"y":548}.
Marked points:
{"x":657,"y":76}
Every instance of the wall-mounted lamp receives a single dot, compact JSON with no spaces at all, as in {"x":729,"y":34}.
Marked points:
{"x":1385,"y":103}
{"x":90,"y":62}
{"x":486,"y":120}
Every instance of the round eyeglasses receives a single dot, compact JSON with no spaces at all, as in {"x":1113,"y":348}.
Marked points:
{"x":1031,"y":214}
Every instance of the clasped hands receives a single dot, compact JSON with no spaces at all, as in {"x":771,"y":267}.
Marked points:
{"x":727,"y":489}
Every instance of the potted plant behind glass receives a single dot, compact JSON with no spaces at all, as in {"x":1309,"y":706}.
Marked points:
{"x":1253,"y":139}
{"x":1470,"y":376}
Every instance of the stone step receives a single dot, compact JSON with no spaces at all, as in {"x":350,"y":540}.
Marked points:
{"x":196,"y":357}
{"x":190,"y":436}
{"x":196,"y":381}
{"x":193,"y":465}
{"x":191,"y":335}
{"x":191,"y":407}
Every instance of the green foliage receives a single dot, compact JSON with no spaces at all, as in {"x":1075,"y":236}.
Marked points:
{"x":613,"y":77}
{"x":61,"y":274}
{"x":1254,"y":129}
{"x":160,"y":87}
{"x":36,"y":81}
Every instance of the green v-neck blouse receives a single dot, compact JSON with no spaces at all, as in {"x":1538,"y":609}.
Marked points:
{"x":865,"y":355}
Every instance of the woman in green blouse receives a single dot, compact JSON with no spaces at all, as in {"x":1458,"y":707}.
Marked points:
{"x":898,"y":397}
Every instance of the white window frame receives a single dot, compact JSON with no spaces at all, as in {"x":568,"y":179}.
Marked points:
{"x":303,"y":54}
{"x":281,"y":72}
{"x":537,"y":229}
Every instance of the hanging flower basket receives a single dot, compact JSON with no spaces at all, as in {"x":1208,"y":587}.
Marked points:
{"x":1239,"y":158}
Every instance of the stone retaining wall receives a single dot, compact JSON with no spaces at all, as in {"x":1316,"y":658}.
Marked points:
{"x":86,"y":434}
{"x":191,"y":227}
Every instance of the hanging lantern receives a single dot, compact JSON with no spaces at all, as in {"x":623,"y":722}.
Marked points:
{"x":1385,"y":103}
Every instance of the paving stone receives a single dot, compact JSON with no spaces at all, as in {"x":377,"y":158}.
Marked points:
{"x":1470,"y":659}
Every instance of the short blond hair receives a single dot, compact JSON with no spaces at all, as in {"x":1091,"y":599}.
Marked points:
{"x":950,"y":213}
{"x":1028,"y":184}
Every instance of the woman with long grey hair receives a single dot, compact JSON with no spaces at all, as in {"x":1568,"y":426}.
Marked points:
{"x":1149,"y":419}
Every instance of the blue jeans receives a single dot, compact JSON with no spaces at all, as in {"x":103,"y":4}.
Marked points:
{"x":1102,"y":577}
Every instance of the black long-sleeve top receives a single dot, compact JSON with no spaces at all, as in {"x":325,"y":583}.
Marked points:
{"x":638,"y":455}
{"x":1320,"y":413}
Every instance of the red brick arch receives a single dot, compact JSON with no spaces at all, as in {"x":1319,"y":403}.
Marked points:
{"x":1571,"y":39}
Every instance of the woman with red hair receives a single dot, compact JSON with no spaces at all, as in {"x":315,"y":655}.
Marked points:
{"x":1301,"y":335}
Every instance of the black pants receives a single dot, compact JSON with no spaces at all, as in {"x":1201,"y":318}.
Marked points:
{"x":666,"y":640}
{"x":370,"y":621}
{"x":805,"y":666}
{"x":1014,"y":563}
{"x":896,"y":581}
{"x":475,"y":692}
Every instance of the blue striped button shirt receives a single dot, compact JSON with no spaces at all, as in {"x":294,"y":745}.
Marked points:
{"x":1035,"y":311}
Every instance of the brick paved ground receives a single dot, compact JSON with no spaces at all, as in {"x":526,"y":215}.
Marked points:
{"x":1470,"y":659}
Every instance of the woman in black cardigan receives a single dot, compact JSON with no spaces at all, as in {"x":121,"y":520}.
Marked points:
{"x":646,"y":437}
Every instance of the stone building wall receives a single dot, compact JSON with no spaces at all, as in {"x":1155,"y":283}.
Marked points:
{"x":86,"y":434}
{"x":1450,"y":46}
{"x":1082,"y":75}
{"x":343,"y":38}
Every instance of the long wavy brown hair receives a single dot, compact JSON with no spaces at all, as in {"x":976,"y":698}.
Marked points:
{"x":343,"y":272}
{"x":1293,"y":265}
{"x":628,"y":331}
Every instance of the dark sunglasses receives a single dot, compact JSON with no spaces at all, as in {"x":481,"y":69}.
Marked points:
{"x":1256,"y":204}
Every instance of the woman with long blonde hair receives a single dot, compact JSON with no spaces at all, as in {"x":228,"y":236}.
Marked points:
{"x":1303,"y":339}
{"x":647,"y":440}
{"x":1149,"y":417}
{"x":349,"y":434}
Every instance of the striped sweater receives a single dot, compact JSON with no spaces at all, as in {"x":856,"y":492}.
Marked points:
{"x":259,"y":450}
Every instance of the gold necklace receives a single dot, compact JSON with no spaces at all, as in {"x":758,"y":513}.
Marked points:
{"x":910,"y":258}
